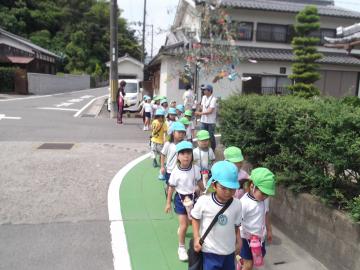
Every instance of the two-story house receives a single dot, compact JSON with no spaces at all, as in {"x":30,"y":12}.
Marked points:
{"x":245,"y":46}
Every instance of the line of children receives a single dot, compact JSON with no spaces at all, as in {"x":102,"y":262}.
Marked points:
{"x":183,"y":169}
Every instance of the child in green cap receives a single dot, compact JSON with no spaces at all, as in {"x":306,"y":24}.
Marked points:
{"x":234,"y":155}
{"x":190,"y":134}
{"x":254,"y":208}
{"x":204,"y":156}
{"x":186,"y":123}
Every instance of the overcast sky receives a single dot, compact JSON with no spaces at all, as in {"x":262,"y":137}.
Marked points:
{"x":160,"y":13}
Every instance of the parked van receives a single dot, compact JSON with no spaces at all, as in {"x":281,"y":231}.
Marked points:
{"x":133,"y":95}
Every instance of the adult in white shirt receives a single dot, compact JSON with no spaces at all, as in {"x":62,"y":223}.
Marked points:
{"x":208,"y":113}
{"x":188,"y":98}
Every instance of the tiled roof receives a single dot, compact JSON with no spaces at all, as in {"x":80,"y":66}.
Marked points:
{"x":267,"y":54}
{"x":272,"y":5}
{"x":270,"y":54}
{"x":27,"y":43}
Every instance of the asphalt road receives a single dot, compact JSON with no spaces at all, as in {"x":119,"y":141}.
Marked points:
{"x":53,"y":203}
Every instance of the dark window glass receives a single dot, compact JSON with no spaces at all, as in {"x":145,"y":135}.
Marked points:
{"x":272,"y":32}
{"x":242,"y":30}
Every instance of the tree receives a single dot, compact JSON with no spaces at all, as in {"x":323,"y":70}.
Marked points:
{"x":76,"y":30}
{"x":304,"y":70}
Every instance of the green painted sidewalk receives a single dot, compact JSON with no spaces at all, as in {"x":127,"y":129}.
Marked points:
{"x":150,"y":232}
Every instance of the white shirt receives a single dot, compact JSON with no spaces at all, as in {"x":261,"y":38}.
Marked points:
{"x":208,"y":103}
{"x":188,"y":99}
{"x":221,"y":239}
{"x":148,"y":107}
{"x":185,"y":180}
{"x":169,"y":150}
{"x":202,"y":158}
{"x":253,"y":216}
{"x":189,"y":130}
{"x":154,"y":108}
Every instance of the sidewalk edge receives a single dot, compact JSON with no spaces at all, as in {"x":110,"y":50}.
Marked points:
{"x":121,"y":257}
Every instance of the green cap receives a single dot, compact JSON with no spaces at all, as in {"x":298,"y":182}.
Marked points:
{"x":203,"y":135}
{"x":184,"y":120}
{"x":188,"y":113}
{"x":233,"y":154}
{"x":264,"y":180}
{"x":156,"y":98}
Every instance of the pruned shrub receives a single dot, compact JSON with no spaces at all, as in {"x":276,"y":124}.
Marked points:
{"x":313,"y":145}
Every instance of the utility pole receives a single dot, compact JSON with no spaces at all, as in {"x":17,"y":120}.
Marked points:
{"x":113,"y":57}
{"x":152,"y":40}
{"x":143,"y":35}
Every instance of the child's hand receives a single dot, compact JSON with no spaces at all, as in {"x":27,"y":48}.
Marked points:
{"x":168,"y":208}
{"x":162,"y":170}
{"x":197,"y":246}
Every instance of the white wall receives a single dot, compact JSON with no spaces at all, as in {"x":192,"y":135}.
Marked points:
{"x":129,"y":68}
{"x":40,"y":84}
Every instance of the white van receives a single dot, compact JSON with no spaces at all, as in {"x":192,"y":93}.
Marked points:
{"x":133,"y":95}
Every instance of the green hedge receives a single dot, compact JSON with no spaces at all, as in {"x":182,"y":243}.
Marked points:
{"x":312,"y":145}
{"x":7,"y":78}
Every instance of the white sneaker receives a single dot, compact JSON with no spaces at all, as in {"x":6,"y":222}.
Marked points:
{"x":182,"y":254}
{"x":144,"y":128}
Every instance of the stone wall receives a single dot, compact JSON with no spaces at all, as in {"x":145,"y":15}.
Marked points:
{"x":329,"y":235}
{"x":41,"y":84}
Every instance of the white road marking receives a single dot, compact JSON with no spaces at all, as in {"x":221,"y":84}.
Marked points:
{"x":75,"y":100}
{"x":64,"y":104}
{"x":88,"y":96}
{"x":52,"y":95}
{"x":118,"y":238}
{"x":3,"y":116}
{"x":87,"y":105}
{"x":57,"y":109}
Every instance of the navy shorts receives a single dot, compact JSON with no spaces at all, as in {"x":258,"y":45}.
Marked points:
{"x":148,"y":114}
{"x":179,"y":208}
{"x":215,"y":262}
{"x":245,"y":252}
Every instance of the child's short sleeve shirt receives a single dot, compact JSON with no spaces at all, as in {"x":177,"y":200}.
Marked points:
{"x":158,"y":131}
{"x":203,"y":158}
{"x":169,"y":150}
{"x":221,"y":239}
{"x":148,"y":107}
{"x":253,"y":216}
{"x":185,"y":180}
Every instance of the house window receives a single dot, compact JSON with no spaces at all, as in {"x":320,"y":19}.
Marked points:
{"x":266,"y":85}
{"x":272,"y":32}
{"x":242,"y":30}
{"x":322,"y":33}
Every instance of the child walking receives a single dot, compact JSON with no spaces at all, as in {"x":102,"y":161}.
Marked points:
{"x":147,"y":108}
{"x":184,"y":178}
{"x":254,"y":207}
{"x":191,"y":129}
{"x":234,"y":155}
{"x":204,"y":156}
{"x":158,"y":135}
{"x":223,"y":240}
{"x":168,"y":152}
{"x":171,"y":118}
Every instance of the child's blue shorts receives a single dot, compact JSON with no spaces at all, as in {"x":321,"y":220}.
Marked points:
{"x":214,"y":262}
{"x":179,"y":208}
{"x":245,"y":252}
